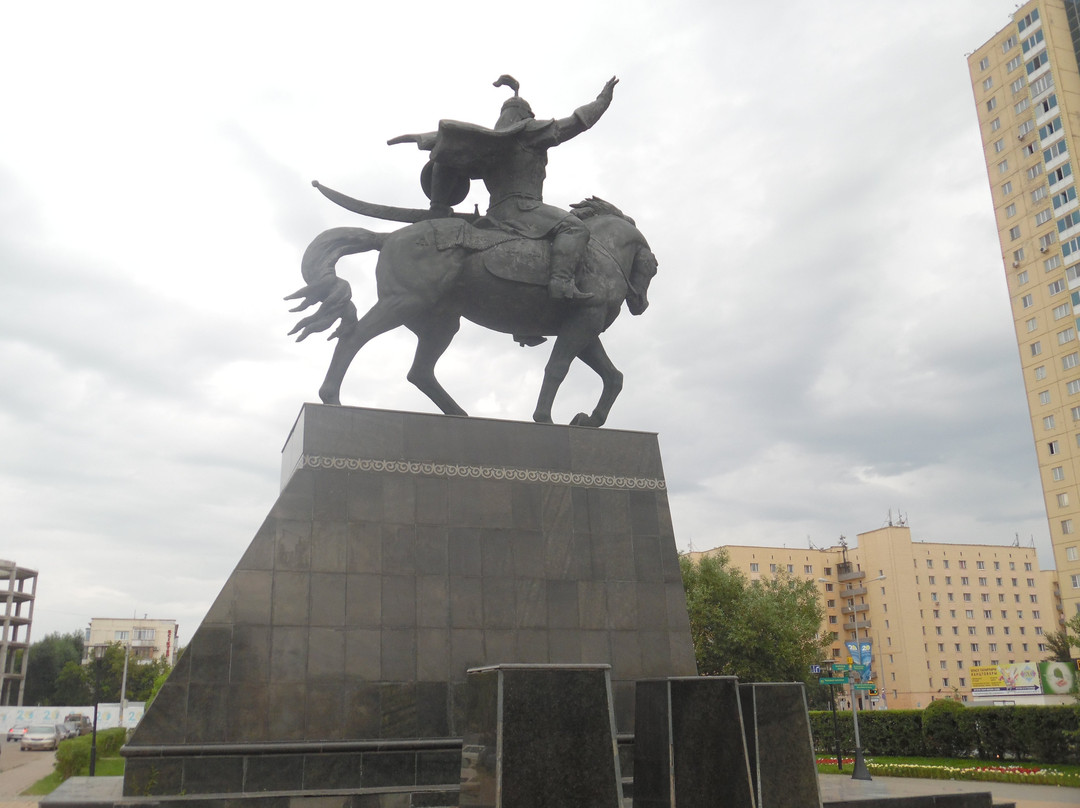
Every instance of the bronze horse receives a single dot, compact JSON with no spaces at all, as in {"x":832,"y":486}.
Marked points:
{"x":428,"y":290}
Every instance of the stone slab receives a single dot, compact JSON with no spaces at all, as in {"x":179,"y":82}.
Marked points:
{"x":690,"y":745}
{"x":783,"y":768}
{"x":539,"y":736}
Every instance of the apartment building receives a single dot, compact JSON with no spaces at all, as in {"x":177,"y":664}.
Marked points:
{"x":1026,"y":85}
{"x":18,"y":585}
{"x":147,"y":639}
{"x":930,"y":611}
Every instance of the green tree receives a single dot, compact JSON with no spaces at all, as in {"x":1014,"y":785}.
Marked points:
{"x":48,"y":657}
{"x":72,"y":686}
{"x":1058,"y":646}
{"x":767,"y":630}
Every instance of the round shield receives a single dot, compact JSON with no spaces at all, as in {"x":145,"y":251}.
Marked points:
{"x":459,"y":183}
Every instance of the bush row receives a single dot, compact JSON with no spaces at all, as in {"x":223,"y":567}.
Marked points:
{"x":73,"y":756}
{"x":1046,"y":734}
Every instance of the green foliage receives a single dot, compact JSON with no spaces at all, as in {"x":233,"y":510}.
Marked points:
{"x":765,"y":630}
{"x":941,"y":730}
{"x":48,"y":657}
{"x":1046,"y":734}
{"x":73,"y":756}
{"x":100,"y":680}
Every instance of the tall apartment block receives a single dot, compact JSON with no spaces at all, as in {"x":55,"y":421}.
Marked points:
{"x":1027,"y":92}
{"x":931,"y":611}
{"x":18,"y":586}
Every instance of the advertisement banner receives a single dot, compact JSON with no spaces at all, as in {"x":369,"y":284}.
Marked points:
{"x":1059,"y":678}
{"x":862,"y":653}
{"x":108,"y":715}
{"x":1006,"y":680}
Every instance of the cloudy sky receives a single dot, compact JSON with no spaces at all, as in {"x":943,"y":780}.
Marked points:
{"x":829,"y":336}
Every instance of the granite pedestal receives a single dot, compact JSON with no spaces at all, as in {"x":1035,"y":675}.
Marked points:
{"x":403,"y":550}
{"x":539,"y":736}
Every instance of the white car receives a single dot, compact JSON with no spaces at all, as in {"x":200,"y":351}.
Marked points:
{"x":41,"y":736}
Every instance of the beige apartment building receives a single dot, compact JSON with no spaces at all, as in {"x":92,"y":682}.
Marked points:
{"x":147,"y":639}
{"x":930,"y":611}
{"x":1027,"y":93}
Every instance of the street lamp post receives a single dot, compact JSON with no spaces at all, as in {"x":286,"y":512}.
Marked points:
{"x":860,"y":771}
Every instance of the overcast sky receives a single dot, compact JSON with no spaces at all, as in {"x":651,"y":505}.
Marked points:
{"x":829,"y":336}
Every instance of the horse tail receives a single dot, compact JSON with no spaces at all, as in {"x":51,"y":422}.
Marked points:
{"x":323,"y":286}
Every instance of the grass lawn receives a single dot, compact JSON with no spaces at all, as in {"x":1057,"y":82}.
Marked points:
{"x":1056,"y":774}
{"x":105,"y":767}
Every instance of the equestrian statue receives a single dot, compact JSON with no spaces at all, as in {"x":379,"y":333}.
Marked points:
{"x":526,"y":268}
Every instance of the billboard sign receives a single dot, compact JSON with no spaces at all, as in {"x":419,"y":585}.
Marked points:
{"x":1023,"y":679}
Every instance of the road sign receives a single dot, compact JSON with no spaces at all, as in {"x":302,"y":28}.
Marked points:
{"x":865,"y":686}
{"x":833,"y":680}
{"x":841,"y":666}
{"x":858,"y":667}
{"x":815,"y":669}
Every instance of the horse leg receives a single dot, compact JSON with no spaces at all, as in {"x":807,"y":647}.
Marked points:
{"x":384,"y":316}
{"x":567,"y":346}
{"x":433,"y":338}
{"x":596,"y":357}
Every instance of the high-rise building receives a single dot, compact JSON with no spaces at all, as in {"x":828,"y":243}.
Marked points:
{"x":1027,"y":92}
{"x":930,"y":611}
{"x":17,"y":588}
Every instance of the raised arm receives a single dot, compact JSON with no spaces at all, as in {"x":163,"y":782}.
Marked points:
{"x":586,"y":116}
{"x":424,"y":141}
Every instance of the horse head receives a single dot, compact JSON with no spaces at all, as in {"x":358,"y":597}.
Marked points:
{"x":641,"y":275}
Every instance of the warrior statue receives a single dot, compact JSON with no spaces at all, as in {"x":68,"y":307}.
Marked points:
{"x":526,"y":269}
{"x":511,"y":159}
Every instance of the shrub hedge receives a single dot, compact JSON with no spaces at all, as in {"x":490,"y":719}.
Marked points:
{"x":1045,"y":734}
{"x":73,"y":756}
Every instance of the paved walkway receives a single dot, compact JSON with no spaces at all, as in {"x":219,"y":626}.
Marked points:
{"x":20,"y":770}
{"x":836,"y":787}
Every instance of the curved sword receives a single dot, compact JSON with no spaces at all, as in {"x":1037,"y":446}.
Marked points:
{"x":387,"y":212}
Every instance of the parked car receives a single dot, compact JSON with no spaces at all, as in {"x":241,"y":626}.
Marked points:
{"x":16,"y":733}
{"x":41,"y":736}
{"x":83,"y":723}
{"x":71,"y":728}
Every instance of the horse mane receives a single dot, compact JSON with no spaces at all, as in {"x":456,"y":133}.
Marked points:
{"x":595,"y":206}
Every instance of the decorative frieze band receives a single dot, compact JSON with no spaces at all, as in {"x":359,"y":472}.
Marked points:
{"x":483,"y":472}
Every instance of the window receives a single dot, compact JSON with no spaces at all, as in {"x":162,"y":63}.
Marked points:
{"x":1075,"y":413}
{"x":1060,"y":173}
{"x":999,"y":146}
{"x":1075,"y":581}
{"x":1062,"y":311}
{"x":1027,"y":301}
{"x":1037,"y":61}
{"x":1027,"y":566}
{"x":970,"y":614}
{"x":931,"y":579}
{"x":1072,"y":554}
{"x":144,"y":633}
{"x":991,"y":105}
{"x":1017,"y":85}
{"x":988,"y":82}
{"x":1044,"y":397}
{"x":1034,"y":171}
{"x":963,"y":580}
{"x":1058,"y":473}
{"x":1069,"y":220}
{"x":831,"y":604}
{"x":937,"y":630}
{"x":1032,"y":40}
{"x":754,"y":566}
{"x":1027,"y":21}
{"x":1018,"y":107}
{"x":120,"y":636}
{"x":1066,"y":526}
{"x":772,"y":568}
{"x":1042,"y":84}
{"x":1051,"y":448}
{"x":1010,"y":211}
{"x":790,"y":568}
{"x":975,"y":647}
{"x":1057,"y":287}
{"x":1064,"y":197}
{"x":995,"y":124}
{"x":985,"y":598}
{"x":1043,"y":216}
{"x":1048,"y":103}
{"x":1056,"y":149}
{"x":967,"y":597}
{"x":1022,"y":277}
{"x":1013,"y":63}
{"x":984,"y":63}
{"x":1046,"y":240}
{"x":1003,"y":167}
{"x":933,"y":596}
{"x":808,"y":569}
{"x":1063,"y":502}
{"x":982,"y":581}
{"x":1009,"y":44}
{"x":1066,"y":336}
{"x":948,"y":580}
{"x":1073,"y":387}
{"x":1018,"y":255}
{"x":832,"y":618}
{"x":929,"y":563}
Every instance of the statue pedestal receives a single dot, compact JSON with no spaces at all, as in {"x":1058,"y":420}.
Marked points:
{"x":403,"y":550}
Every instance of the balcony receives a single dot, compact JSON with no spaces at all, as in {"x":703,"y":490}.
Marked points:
{"x":852,"y":591}
{"x":857,"y":607}
{"x":845,"y":571}
{"x":857,"y":624}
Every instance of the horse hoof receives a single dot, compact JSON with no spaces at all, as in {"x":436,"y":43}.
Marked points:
{"x":581,"y":419}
